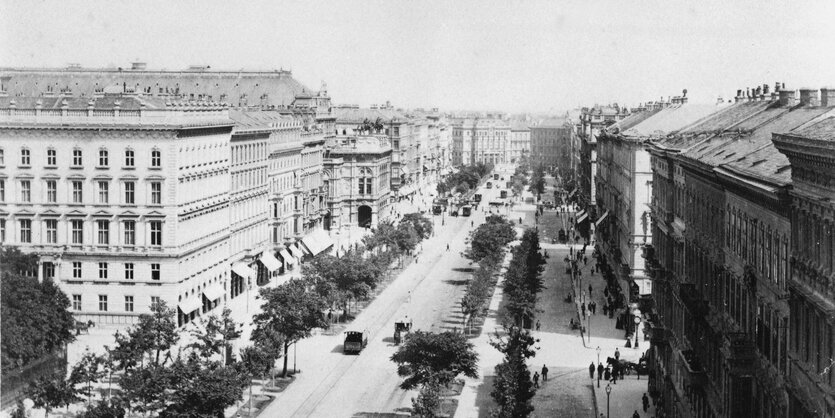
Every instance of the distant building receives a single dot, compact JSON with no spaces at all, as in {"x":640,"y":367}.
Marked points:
{"x":520,"y":141}
{"x":480,"y":140}
{"x":552,"y":144}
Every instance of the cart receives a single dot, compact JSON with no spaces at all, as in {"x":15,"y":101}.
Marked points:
{"x":404,"y":326}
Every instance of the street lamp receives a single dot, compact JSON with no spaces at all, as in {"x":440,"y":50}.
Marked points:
{"x":637,"y":313}
{"x":598,"y":362}
{"x":608,"y":392}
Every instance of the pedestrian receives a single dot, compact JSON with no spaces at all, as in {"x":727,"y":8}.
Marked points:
{"x":447,"y":247}
{"x":585,"y":260}
{"x":645,"y":401}
{"x":589,"y":289}
{"x":607,"y":374}
{"x":545,"y":376}
{"x":591,"y":370}
{"x":600,"y":370}
{"x":583,"y":309}
{"x":537,"y":325}
{"x":617,"y":354}
{"x":535,"y":379}
{"x":636,"y":415}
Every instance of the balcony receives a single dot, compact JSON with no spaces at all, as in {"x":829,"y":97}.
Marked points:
{"x":659,"y":335}
{"x":694,"y":375}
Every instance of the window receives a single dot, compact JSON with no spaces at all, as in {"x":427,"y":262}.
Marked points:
{"x":24,"y":156}
{"x":25,"y":191}
{"x":156,"y":233}
{"x":51,"y":231}
{"x":51,"y":191}
{"x":128,"y":271}
{"x":77,"y":192}
{"x":154,"y":300}
{"x":2,"y":190}
{"x":76,"y":158}
{"x":128,"y":303}
{"x":130,"y":232}
{"x":102,"y":270}
{"x":103,"y":303}
{"x":2,"y":231}
{"x":156,"y":158}
{"x":76,"y":269}
{"x":76,"y":302}
{"x":48,"y":270}
{"x":51,"y":158}
{"x":156,"y":193}
{"x":2,"y":157}
{"x":26,"y":230}
{"x":103,"y":160}
{"x":104,"y":188}
{"x":77,"y":231}
{"x":104,"y":231}
{"x":129,"y":158}
{"x":130,"y":188}
{"x":154,"y":271}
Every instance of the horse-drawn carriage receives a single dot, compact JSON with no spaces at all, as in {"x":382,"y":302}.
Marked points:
{"x":403,"y":326}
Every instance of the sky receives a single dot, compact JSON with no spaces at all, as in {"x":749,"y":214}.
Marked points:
{"x":507,"y":55}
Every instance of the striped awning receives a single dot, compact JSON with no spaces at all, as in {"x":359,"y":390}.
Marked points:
{"x":317,"y":241}
{"x":243,"y":270}
{"x":582,"y":218}
{"x":286,"y":256}
{"x":269,"y":261}
{"x":580,"y":213}
{"x":213,"y":292}
{"x":190,"y":305}
{"x":296,"y":251}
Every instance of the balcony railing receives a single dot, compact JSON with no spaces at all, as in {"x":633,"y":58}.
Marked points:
{"x":694,"y":374}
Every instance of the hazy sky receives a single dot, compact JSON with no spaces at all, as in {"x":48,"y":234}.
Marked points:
{"x":509,"y":55}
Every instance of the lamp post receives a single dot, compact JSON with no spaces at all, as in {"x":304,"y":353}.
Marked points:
{"x":608,"y":392}
{"x":637,"y":314}
{"x":598,"y":362}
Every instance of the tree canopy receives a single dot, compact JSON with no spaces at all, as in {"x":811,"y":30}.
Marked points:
{"x":291,"y":310}
{"x":512,"y":387}
{"x":422,"y":224}
{"x":489,"y":239}
{"x":426,"y":356}
{"x":35,"y":319}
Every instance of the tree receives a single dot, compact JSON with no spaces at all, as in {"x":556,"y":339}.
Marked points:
{"x":422,"y":224}
{"x":291,"y":310}
{"x":203,"y":388}
{"x":426,"y":356}
{"x":428,"y":402}
{"x":147,"y":388}
{"x":34,"y":316}
{"x":489,"y":239}
{"x":87,"y":371}
{"x":155,"y":334}
{"x":105,"y":409}
{"x":215,"y":336}
{"x":53,"y":391}
{"x":407,"y":237}
{"x":339,"y":279}
{"x":512,"y":388}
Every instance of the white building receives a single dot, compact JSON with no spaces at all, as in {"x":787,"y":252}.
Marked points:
{"x":126,"y":200}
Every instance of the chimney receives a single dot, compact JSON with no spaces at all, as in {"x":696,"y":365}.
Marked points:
{"x":786,"y":97}
{"x":138,"y":66}
{"x":808,"y":97}
{"x":828,"y":96}
{"x":739,"y":96}
{"x":777,"y":87}
{"x":765,"y":89}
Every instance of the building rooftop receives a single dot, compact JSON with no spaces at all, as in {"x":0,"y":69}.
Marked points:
{"x":359,"y":115}
{"x":765,"y":163}
{"x":631,"y":120}
{"x":550,"y":123}
{"x":752,"y":134}
{"x":109,"y":111}
{"x":238,"y":88}
{"x":248,"y":120}
{"x":519,"y":125}
{"x":671,"y":119}
{"x":823,"y":130}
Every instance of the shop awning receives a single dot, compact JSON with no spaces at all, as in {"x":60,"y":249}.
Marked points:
{"x":580,"y":214}
{"x":572,"y":193}
{"x":190,"y":305}
{"x":243,"y":270}
{"x":317,"y":241}
{"x":270,"y":262}
{"x":296,"y":251}
{"x":405,"y":169}
{"x":599,"y":220}
{"x":582,"y":218}
{"x":213,"y":292}
{"x":286,"y":256}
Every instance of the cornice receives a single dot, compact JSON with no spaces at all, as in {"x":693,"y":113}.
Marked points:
{"x":88,"y":133}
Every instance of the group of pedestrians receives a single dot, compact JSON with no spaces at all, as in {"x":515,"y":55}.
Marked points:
{"x":544,"y":375}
